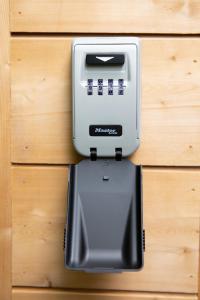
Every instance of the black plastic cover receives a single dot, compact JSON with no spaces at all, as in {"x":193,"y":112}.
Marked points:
{"x":104,"y":231}
{"x":105,"y":59}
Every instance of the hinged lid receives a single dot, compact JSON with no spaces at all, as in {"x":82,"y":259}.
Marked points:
{"x":104,"y":223}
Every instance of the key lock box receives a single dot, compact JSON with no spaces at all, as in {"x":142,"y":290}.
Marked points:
{"x":104,"y":230}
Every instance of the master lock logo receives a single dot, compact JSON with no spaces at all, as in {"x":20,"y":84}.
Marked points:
{"x":105,"y":130}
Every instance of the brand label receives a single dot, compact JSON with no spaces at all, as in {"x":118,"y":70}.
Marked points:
{"x":105,"y":130}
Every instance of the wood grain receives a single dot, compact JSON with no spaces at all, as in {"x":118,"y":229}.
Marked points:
{"x":54,"y":294}
{"x":5,"y":203}
{"x":41,"y":101}
{"x":106,"y":16}
{"x":171,"y":220}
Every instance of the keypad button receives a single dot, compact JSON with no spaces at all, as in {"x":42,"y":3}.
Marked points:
{"x":121,"y":82}
{"x":110,"y":82}
{"x":90,"y":92}
{"x":100,"y":81}
{"x":90,"y":81}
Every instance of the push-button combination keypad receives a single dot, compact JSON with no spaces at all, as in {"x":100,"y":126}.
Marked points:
{"x":104,"y":87}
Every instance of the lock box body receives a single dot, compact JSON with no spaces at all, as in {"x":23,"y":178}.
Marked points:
{"x":104,"y":231}
{"x":106,"y":95}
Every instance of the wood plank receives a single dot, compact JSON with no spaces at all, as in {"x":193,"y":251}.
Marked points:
{"x":41,"y":101}
{"x":5,"y":203}
{"x":199,"y":269}
{"x":107,"y":16}
{"x":171,"y":220}
{"x":50,"y":117}
{"x":55,"y":294}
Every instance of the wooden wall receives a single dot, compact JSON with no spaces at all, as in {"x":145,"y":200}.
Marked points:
{"x":36,"y":146}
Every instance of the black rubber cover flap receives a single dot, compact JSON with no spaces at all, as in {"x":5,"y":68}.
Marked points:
{"x":104,"y":231}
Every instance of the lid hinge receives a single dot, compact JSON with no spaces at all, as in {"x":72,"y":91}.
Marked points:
{"x":118,"y":154}
{"x":93,"y":153}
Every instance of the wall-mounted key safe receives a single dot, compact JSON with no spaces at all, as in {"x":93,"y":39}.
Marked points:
{"x":104,"y":230}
